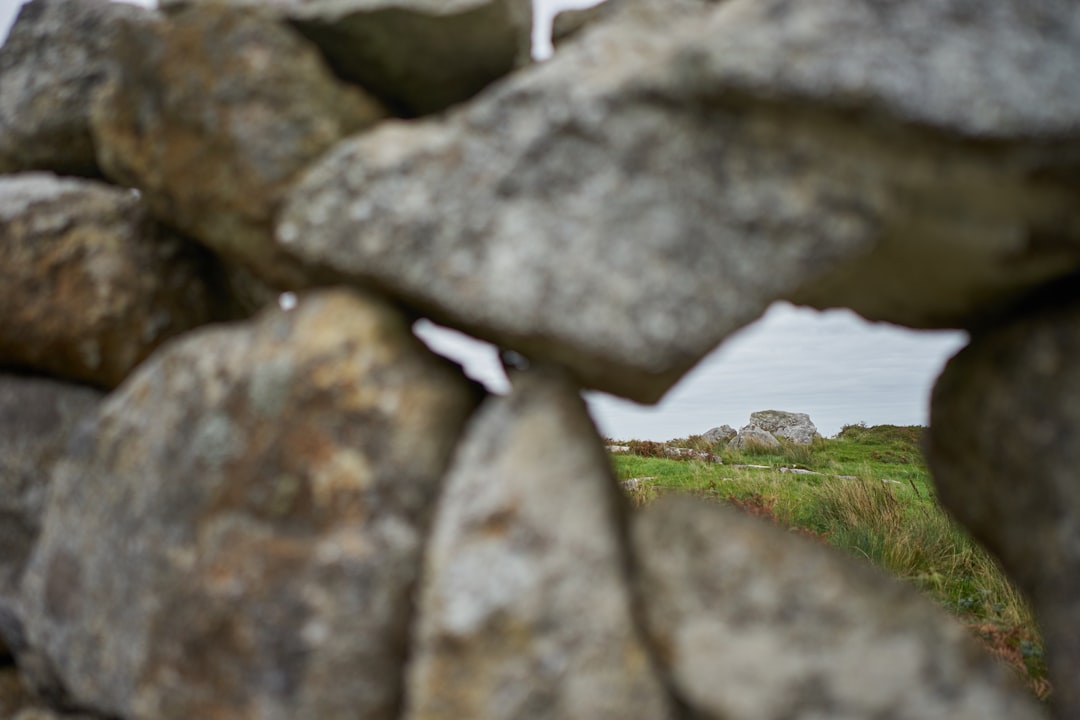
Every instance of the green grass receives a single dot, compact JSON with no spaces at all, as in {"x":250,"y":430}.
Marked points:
{"x":873,"y":500}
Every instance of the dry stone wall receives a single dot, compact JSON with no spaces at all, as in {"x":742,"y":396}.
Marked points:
{"x":218,"y":507}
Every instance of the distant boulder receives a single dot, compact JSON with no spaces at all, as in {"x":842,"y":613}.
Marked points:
{"x":751,"y":436}
{"x":796,"y":427}
{"x":724,"y":433}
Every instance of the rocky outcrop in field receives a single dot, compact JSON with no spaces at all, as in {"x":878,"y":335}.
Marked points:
{"x":228,"y":504}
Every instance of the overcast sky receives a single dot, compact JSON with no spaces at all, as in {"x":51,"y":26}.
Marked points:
{"x":832,"y":365}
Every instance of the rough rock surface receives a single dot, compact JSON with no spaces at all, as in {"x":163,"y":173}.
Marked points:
{"x":570,"y":23}
{"x":37,"y":417}
{"x":724,"y":433}
{"x":754,"y":623}
{"x":41,"y":713}
{"x":13,"y":695}
{"x":994,"y":80}
{"x":57,"y":56}
{"x":1004,"y":448}
{"x":751,"y":436}
{"x":96,"y":284}
{"x":419,"y":56}
{"x":621,"y":223}
{"x":796,"y":427}
{"x":526,"y":611}
{"x":239,"y":533}
{"x":17,"y":703}
{"x":213,"y":116}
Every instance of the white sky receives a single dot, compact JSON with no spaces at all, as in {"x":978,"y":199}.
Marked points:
{"x":832,"y":365}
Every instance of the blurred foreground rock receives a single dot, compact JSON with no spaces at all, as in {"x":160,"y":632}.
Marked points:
{"x":664,"y":182}
{"x":56,"y":57}
{"x":753,"y":623}
{"x":92,"y":285}
{"x":239,"y":533}
{"x":1004,"y":448}
{"x":526,"y":610}
{"x":37,"y":419}
{"x":213,"y":116}
{"x":419,"y":56}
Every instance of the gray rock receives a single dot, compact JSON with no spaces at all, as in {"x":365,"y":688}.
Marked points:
{"x":724,"y":433}
{"x":239,"y":533}
{"x":13,"y":695}
{"x":951,"y":78}
{"x":796,"y":427}
{"x":625,"y":206}
{"x":37,"y":417}
{"x":213,"y":116}
{"x":998,"y":78}
{"x":526,"y":611}
{"x":17,"y":703}
{"x":40,"y":713}
{"x":1004,"y":447}
{"x":55,"y":59}
{"x":751,"y":437}
{"x":570,"y":23}
{"x":91,"y":284}
{"x":419,"y":56}
{"x":755,"y":623}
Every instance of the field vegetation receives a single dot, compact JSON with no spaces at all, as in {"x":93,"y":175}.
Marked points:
{"x":868,"y":492}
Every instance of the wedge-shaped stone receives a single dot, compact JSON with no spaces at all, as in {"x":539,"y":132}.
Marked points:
{"x":91,"y":284}
{"x":213,"y":116}
{"x":419,"y":56}
{"x":239,"y":533}
{"x":525,"y":610}
{"x":755,"y":623}
{"x":56,"y":57}
{"x":624,"y":207}
{"x":1004,"y":448}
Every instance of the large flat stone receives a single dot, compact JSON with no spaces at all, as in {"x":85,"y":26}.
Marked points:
{"x":755,"y":623}
{"x":526,"y":612}
{"x":91,"y":284}
{"x":624,"y":207}
{"x":239,"y":533}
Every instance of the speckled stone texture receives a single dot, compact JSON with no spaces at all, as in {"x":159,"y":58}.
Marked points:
{"x":239,"y":533}
{"x":214,"y":114}
{"x":37,"y":418}
{"x":91,"y":284}
{"x":624,"y":207}
{"x":418,"y":56}
{"x":1004,"y":449}
{"x":754,"y":623}
{"x":526,"y":612}
{"x":53,"y":62}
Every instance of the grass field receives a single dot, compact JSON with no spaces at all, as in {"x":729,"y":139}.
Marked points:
{"x":868,"y":492}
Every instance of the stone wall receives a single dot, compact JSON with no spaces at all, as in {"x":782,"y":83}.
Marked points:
{"x":221,"y":507}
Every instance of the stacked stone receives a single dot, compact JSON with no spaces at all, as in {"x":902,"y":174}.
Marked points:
{"x":218,"y":507}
